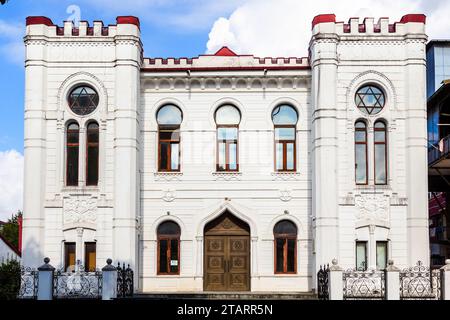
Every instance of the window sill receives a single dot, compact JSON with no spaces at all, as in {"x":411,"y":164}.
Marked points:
{"x":373,"y":187}
{"x":80,"y":189}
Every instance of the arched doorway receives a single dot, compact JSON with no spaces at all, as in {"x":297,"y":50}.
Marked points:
{"x":226,"y":254}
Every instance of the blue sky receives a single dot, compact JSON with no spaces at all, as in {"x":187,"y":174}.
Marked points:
{"x":177,"y":28}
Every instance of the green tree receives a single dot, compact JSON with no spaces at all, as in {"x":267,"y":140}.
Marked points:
{"x":9,"y":280}
{"x":10,"y":230}
{"x":3,"y":1}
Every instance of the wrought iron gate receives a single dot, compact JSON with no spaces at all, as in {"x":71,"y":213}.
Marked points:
{"x":420,"y":283}
{"x":125,"y":281}
{"x":368,"y":284}
{"x":322,"y":283}
{"x":77,"y":284}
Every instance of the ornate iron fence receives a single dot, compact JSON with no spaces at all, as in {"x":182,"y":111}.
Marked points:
{"x":322,"y":283}
{"x":28,"y":283}
{"x":368,"y":284}
{"x":420,"y":283}
{"x":125,"y":281}
{"x":77,"y":284}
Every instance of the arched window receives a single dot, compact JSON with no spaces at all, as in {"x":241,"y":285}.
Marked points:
{"x":72,"y":148}
{"x":92,"y":148}
{"x":285,"y":235}
{"x":380,"y":152}
{"x":169,"y":248}
{"x":83,"y":100}
{"x":361,"y":170}
{"x":227,"y":119}
{"x":169,"y":118}
{"x":285,"y":119}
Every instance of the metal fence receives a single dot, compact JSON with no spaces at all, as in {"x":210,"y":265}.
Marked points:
{"x":77,"y":284}
{"x":370,"y":284}
{"x":28,"y":283}
{"x":322,"y":283}
{"x":125,"y":281}
{"x":420,"y":283}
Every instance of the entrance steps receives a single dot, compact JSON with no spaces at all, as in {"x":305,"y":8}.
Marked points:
{"x":226,"y":296}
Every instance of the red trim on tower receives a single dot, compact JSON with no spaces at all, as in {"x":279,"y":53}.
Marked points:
{"x":20,"y":223}
{"x":129,"y":20}
{"x":420,"y":18}
{"x":39,"y":20}
{"x":225,"y":52}
{"x":323,"y":18}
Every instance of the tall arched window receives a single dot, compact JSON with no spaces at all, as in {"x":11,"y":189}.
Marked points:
{"x":361,"y":171}
{"x":169,"y":118}
{"x":285,"y":235}
{"x":227,"y":119}
{"x":92,"y":148}
{"x":169,"y":248}
{"x":380,"y":152}
{"x":285,"y":119}
{"x":72,"y":148}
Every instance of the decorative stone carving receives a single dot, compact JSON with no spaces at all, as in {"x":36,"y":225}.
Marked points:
{"x":285,"y":195}
{"x":227,"y":176}
{"x":372,"y":206}
{"x":168,"y":176}
{"x":169,"y":195}
{"x":285,"y":176}
{"x":80,"y":209}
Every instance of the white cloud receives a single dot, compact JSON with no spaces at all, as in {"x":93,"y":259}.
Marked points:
{"x":11,"y":183}
{"x":283,"y":27}
{"x":11,"y":45}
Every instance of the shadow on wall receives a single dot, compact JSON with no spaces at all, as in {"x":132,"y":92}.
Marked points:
{"x":32,"y":256}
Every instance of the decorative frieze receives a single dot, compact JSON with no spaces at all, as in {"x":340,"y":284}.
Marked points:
{"x":80,"y":209}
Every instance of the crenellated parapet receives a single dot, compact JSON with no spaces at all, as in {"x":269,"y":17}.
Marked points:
{"x":125,"y":25}
{"x":409,"y":24}
{"x":225,"y":59}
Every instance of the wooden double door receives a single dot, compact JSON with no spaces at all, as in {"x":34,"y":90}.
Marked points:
{"x":227,"y":255}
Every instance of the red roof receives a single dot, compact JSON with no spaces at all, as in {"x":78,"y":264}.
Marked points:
{"x":225,"y":52}
{"x":9,"y":244}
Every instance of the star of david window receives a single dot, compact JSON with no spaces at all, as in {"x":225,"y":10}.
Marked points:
{"x":370,"y":100}
{"x":83,"y":100}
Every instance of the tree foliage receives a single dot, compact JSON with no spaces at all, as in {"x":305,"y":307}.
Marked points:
{"x":9,"y":280}
{"x":10,"y":230}
{"x":3,"y":1}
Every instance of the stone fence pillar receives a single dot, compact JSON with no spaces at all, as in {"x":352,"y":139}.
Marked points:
{"x":445,"y":281}
{"x":335,"y":282}
{"x":109,"y":286}
{"x":45,"y":278}
{"x":392,"y":281}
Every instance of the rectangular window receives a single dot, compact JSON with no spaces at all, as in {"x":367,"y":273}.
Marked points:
{"x":169,"y":148}
{"x":69,"y":256}
{"x":361,"y":153}
{"x":92,"y":152}
{"x":285,"y":255}
{"x":168,"y":255}
{"x":361,"y":255}
{"x":382,"y":256}
{"x":227,"y":148}
{"x":90,"y":256}
{"x":285,"y":148}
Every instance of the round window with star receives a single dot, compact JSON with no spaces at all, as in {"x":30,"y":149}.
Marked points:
{"x":83,"y":100}
{"x":370,"y":99}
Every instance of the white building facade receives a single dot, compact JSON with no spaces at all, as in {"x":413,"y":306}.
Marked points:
{"x":226,"y":172}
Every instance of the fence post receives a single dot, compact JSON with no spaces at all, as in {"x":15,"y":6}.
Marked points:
{"x":335,"y":281}
{"x":109,"y":286}
{"x":45,"y":281}
{"x":392,"y":281}
{"x":445,"y":281}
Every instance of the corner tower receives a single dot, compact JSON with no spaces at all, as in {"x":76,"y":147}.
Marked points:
{"x":107,"y":60}
{"x":369,"y":141}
